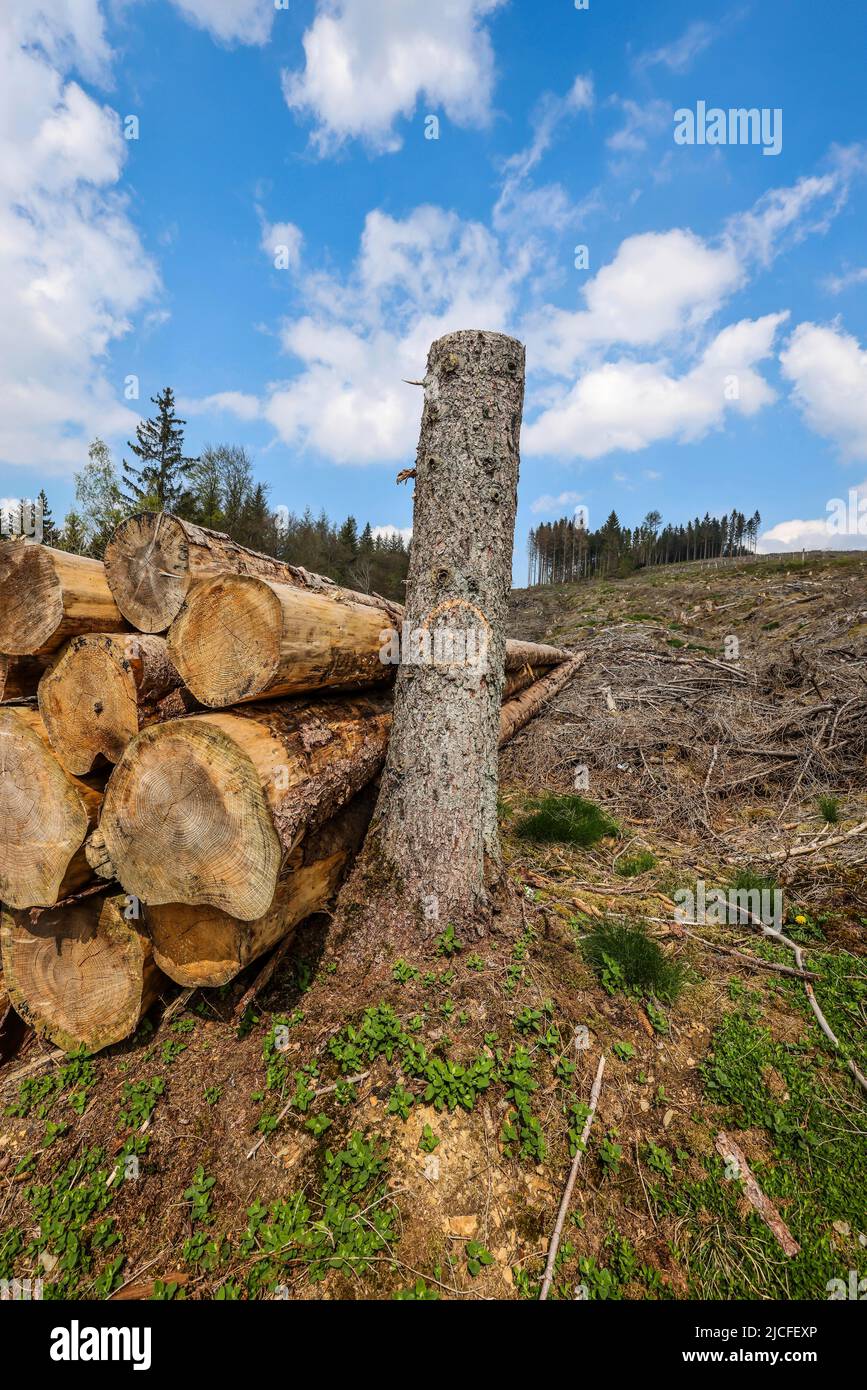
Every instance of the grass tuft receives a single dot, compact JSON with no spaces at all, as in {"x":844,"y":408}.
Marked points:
{"x":627,"y":959}
{"x":829,"y":809}
{"x":566,"y":820}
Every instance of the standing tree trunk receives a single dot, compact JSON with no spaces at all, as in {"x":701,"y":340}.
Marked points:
{"x":435,"y":825}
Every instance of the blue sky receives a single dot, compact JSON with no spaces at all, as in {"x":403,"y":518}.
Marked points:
{"x":712,"y":354}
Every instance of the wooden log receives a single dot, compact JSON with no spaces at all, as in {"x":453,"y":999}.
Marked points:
{"x":154,"y":558}
{"x":48,"y":596}
{"x":20,"y":677}
{"x":103,"y":689}
{"x":240,"y":638}
{"x":204,"y":946}
{"x":518,"y":712}
{"x":204,"y":810}
{"x":45,"y":814}
{"x":533,"y":655}
{"x":80,"y":974}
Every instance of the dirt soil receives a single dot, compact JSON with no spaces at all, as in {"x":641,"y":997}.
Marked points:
{"x":719,"y":722}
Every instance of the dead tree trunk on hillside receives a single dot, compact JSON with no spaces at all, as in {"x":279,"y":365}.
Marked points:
{"x":435,"y":827}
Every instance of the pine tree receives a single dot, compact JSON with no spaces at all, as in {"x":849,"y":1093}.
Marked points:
{"x":160,"y":482}
{"x":49,"y":530}
{"x":73,"y":537}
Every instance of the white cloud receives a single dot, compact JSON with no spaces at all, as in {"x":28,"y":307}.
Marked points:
{"x":547,"y":505}
{"x":281,"y":242}
{"x":642,"y":121}
{"x":389,"y":531}
{"x":230,"y":21}
{"x":679,"y":55}
{"x":658,"y":284}
{"x":828,"y":371}
{"x":785,"y":216}
{"x":361,"y":337}
{"x":629,"y":405}
{"x":521,"y":208}
{"x":72,"y":268}
{"x":836,"y":284}
{"x":238,"y":403}
{"x":368,"y":62}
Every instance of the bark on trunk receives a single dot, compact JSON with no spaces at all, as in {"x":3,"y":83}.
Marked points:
{"x":238,"y":638}
{"x":204,"y":946}
{"x":81,"y":974}
{"x":153,"y":559}
{"x":48,"y":596}
{"x":102,"y":690}
{"x":204,"y":810}
{"x":45,"y":814}
{"x":435,"y":826}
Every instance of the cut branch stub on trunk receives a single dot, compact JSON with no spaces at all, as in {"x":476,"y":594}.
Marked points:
{"x":48,"y":596}
{"x":45,"y":814}
{"x":240,"y":638}
{"x":435,"y":825}
{"x":204,"y":810}
{"x":80,"y":974}
{"x":154,"y":558}
{"x":101,"y":690}
{"x":204,"y":946}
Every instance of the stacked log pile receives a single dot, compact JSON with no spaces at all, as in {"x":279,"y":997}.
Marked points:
{"x":190,"y":740}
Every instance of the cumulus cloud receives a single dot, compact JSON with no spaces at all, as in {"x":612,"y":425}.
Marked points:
{"x":230,"y":21}
{"x":281,"y":242}
{"x":72,"y":268}
{"x":657,"y":285}
{"x":368,"y":62}
{"x":828,"y":371}
{"x":361,"y":336}
{"x":629,"y":405}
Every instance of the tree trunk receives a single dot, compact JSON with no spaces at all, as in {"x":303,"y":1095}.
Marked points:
{"x":47,"y":596}
{"x":101,"y":690}
{"x":153,"y":559}
{"x":238,"y":638}
{"x":44,"y":815}
{"x":204,"y":810}
{"x":204,"y":946}
{"x":435,"y":827}
{"x":81,"y":974}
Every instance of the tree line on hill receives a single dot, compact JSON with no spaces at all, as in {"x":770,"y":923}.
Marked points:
{"x":217,"y":490}
{"x":565,"y":550}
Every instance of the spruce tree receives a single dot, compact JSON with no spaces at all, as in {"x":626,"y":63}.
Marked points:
{"x":160,"y":481}
{"x":49,"y":530}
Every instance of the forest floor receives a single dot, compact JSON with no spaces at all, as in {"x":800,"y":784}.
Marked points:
{"x":417,"y":1144}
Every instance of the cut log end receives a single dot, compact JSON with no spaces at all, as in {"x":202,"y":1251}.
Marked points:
{"x":31,"y":598}
{"x":88,"y":701}
{"x":147,"y":565}
{"x":226,"y":644}
{"x":81,"y":975}
{"x":185,"y":819}
{"x":103,"y":688}
{"x":43,"y":816}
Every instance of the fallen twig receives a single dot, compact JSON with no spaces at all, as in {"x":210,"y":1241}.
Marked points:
{"x":573,"y":1173}
{"x":730,"y":1152}
{"x":753,"y":961}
